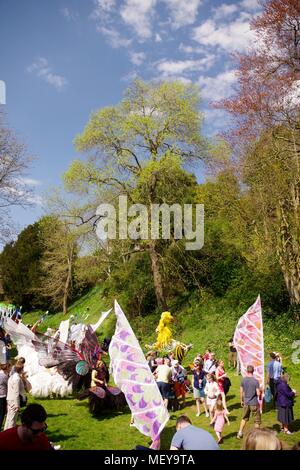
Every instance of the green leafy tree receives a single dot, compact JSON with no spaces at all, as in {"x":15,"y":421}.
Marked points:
{"x":154,"y":123}
{"x":57,"y":262}
{"x":21,"y":270}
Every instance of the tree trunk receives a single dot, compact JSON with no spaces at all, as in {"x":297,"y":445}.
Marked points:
{"x":68,"y":281}
{"x":289,"y":257}
{"x":157,"y":279}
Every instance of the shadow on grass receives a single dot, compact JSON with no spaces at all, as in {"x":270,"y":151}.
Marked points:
{"x":295,"y":425}
{"x":234,"y":406}
{"x":232,"y":418}
{"x":268,"y":407}
{"x":275,"y":427}
{"x":51,"y":415}
{"x":167,"y":436}
{"x":229,"y":397}
{"x":42,"y":399}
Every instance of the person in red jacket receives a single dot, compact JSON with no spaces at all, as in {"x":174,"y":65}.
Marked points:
{"x":30,"y":434}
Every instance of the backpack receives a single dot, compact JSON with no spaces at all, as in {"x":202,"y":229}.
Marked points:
{"x":268,"y":394}
{"x":226,"y":385}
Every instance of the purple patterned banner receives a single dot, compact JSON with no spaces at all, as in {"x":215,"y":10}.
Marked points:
{"x":132,"y":375}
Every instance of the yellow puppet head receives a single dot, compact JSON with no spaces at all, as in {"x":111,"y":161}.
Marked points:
{"x":166,"y":318}
{"x":164,"y":333}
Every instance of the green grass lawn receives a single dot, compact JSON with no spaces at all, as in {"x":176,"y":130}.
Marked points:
{"x":72,"y":426}
{"x":207,"y":323}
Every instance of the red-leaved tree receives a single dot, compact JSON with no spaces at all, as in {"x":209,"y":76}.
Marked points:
{"x":266,"y":132}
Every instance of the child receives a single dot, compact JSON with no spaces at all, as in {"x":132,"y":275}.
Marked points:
{"x":220,"y":416}
{"x":212,"y":392}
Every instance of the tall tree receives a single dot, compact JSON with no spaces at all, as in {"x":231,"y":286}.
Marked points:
{"x":57,"y":262}
{"x":20,"y":268}
{"x":154,"y":121}
{"x":268,"y":92}
{"x":14,"y":163}
{"x":267,"y":132}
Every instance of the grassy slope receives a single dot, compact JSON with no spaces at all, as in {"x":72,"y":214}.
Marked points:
{"x":206,"y":323}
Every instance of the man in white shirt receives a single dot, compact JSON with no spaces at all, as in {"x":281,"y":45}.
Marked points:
{"x":15,"y":388}
{"x":163,"y":375}
{"x":210,"y":364}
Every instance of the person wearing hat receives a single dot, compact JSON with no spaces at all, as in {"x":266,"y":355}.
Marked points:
{"x":178,"y":379}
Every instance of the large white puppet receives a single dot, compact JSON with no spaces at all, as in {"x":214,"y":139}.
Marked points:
{"x":45,"y":381}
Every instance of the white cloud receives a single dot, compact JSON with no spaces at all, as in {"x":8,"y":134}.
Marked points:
{"x":225,"y":10}
{"x":70,"y":15}
{"x":103,"y":7}
{"x":183,"y":12}
{"x":250,"y":4}
{"x":191,"y":49}
{"x":35,"y":199}
{"x":113,"y":37}
{"x":215,"y":120}
{"x":130,"y":77}
{"x":137,"y":58}
{"x":158,"y":38}
{"x":30,"y":181}
{"x":218,"y":87}
{"x":173,"y":78}
{"x":173,"y":67}
{"x":229,"y":36}
{"x":138,"y":14}
{"x":42,"y":69}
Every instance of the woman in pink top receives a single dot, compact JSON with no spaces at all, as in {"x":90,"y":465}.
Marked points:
{"x":220,"y":376}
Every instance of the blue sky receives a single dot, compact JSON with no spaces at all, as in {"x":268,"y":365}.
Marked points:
{"x":62,"y":59}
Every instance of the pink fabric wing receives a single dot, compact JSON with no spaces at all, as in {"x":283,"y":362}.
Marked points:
{"x":249,"y":341}
{"x":132,"y":375}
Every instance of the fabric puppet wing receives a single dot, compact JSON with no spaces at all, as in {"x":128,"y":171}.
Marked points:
{"x":132,"y":375}
{"x":53,"y":352}
{"x":249,"y":341}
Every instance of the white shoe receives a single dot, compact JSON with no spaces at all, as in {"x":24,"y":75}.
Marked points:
{"x":207,"y":415}
{"x":198,"y":414}
{"x":57,"y":447}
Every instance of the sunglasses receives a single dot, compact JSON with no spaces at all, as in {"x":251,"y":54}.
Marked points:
{"x":37,"y":431}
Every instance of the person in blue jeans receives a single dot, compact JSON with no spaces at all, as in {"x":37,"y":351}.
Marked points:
{"x":199,"y":386}
{"x":274,"y":373}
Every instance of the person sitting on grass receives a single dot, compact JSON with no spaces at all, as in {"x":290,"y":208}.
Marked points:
{"x":30,"y":435}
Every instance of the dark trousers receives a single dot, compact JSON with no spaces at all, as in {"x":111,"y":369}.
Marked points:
{"x":272,"y":387}
{"x":2,"y":411}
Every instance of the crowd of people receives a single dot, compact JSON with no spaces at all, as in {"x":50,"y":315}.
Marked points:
{"x":205,"y":378}
{"x":210,"y":384}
